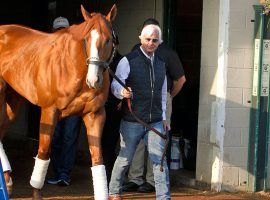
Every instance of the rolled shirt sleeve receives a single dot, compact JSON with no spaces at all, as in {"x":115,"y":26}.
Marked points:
{"x":122,"y":72}
{"x":164,"y":98}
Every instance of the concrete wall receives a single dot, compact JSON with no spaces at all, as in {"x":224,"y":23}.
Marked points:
{"x":225,"y":93}
{"x":240,"y":64}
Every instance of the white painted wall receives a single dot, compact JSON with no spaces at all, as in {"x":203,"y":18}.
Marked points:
{"x":240,"y":64}
{"x":225,"y":89}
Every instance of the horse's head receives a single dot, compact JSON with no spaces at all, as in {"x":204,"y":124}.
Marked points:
{"x":99,"y":44}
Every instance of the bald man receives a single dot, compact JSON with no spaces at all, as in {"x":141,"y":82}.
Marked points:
{"x":145,"y":75}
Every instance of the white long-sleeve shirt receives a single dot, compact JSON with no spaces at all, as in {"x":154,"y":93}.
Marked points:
{"x":122,"y":72}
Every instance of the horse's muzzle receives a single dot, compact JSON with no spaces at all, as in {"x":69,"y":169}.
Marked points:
{"x":95,"y":84}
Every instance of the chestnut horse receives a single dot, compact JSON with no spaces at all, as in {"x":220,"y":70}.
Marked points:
{"x":63,"y":73}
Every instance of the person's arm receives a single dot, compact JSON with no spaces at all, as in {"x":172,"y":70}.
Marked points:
{"x":177,"y":85}
{"x":164,"y":98}
{"x":122,"y":72}
{"x":175,"y":71}
{"x":164,"y":104}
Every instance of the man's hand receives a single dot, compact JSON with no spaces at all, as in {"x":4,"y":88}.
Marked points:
{"x":166,"y":126}
{"x":127,"y":94}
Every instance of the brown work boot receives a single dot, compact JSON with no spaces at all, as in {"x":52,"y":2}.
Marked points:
{"x":115,"y":197}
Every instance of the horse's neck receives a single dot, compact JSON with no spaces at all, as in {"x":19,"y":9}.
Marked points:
{"x":60,"y":40}
{"x":79,"y":31}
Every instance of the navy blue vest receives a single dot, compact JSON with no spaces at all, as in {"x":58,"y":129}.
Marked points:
{"x":146,"y":82}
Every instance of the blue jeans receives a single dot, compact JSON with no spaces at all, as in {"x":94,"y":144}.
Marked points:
{"x":130,"y":135}
{"x":64,"y":146}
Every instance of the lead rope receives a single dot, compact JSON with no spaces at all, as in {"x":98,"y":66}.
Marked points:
{"x":165,"y":137}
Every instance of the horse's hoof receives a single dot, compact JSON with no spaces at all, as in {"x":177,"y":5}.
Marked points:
{"x":36,"y":197}
{"x":36,"y":194}
{"x":9,"y":186}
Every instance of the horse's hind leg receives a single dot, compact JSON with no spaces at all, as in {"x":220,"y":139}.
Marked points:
{"x":48,"y":121}
{"x":94,"y":123}
{"x":9,"y":105}
{"x":3,"y":125}
{"x":3,"y":109}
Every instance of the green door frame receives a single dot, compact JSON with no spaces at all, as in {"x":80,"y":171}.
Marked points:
{"x":259,"y":115}
{"x":169,"y":22}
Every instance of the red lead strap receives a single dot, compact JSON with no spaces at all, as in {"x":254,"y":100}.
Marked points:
{"x":165,"y":137}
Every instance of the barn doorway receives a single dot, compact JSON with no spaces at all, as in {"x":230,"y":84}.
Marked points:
{"x":187,"y":28}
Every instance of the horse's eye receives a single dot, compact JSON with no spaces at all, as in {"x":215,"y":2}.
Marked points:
{"x":107,"y":42}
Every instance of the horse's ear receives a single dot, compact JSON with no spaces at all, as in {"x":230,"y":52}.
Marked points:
{"x":112,"y":14}
{"x":85,"y":14}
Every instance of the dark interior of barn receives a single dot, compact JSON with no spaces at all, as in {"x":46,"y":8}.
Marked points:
{"x":186,"y":23}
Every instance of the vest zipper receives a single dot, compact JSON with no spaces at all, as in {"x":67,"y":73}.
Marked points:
{"x":152,"y":80}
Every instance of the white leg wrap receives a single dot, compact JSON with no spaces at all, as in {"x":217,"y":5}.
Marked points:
{"x":4,"y":160}
{"x":39,"y":173}
{"x":100,"y":182}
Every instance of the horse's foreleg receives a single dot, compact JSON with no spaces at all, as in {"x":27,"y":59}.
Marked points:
{"x":47,"y":124}
{"x":94,"y":124}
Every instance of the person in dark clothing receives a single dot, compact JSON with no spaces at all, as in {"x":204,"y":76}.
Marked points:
{"x":110,"y":135}
{"x":65,"y":138}
{"x":175,"y":80}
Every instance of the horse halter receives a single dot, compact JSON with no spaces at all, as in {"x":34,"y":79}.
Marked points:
{"x":97,"y":61}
